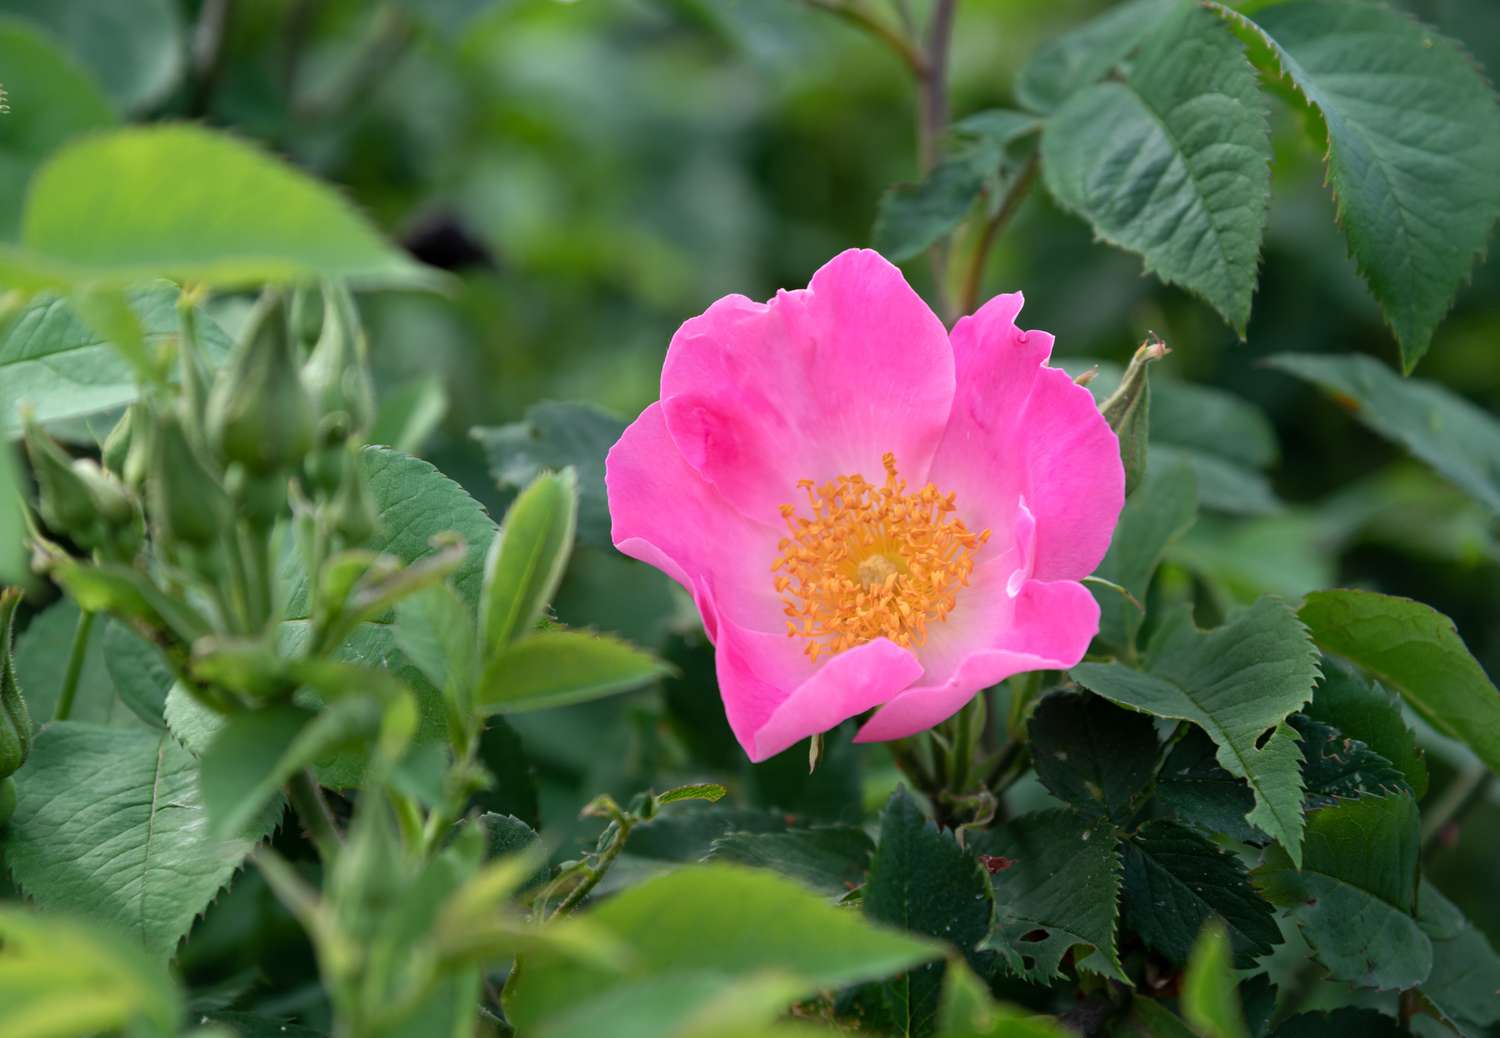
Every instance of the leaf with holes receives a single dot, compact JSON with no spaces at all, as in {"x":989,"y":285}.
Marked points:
{"x":1239,"y":683}
{"x":1367,"y":711}
{"x":1173,"y":160}
{"x":1176,"y":882}
{"x":1059,"y":889}
{"x":1413,"y":148}
{"x":1093,"y":754}
{"x":1356,"y":891}
{"x":1336,"y":767}
{"x":110,"y":824}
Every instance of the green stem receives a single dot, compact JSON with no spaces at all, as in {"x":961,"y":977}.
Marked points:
{"x":306,"y":797}
{"x":76,"y":653}
{"x":1023,"y":690}
{"x":1459,"y":798}
{"x":967,"y":726}
{"x":595,"y":872}
{"x":968,"y":300}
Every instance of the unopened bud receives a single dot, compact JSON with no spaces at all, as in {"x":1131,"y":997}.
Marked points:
{"x":187,"y":502}
{"x":259,"y":415}
{"x":258,"y":499}
{"x":15,"y":720}
{"x":117,"y":444}
{"x":352,"y":509}
{"x":337,"y":373}
{"x":63,"y":498}
{"x":1128,"y":410}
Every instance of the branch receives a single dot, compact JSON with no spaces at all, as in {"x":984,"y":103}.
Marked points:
{"x":858,"y":16}
{"x":1014,"y":195}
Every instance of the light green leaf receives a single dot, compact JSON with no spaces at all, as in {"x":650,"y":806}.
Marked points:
{"x":968,"y":1011}
{"x":556,"y":668}
{"x":1063,"y":880}
{"x":710,"y":791}
{"x":527,"y":560}
{"x":50,"y":99}
{"x":435,"y":629}
{"x":1417,"y":651}
{"x":191,"y":204}
{"x":41,"y":657}
{"x":1160,"y":511}
{"x":1355,"y":892}
{"x":715,"y":919}
{"x":140,"y":673}
{"x":1176,"y":882}
{"x":557,"y":436}
{"x":110,"y":824}
{"x":55,"y":362}
{"x":1209,"y":999}
{"x":1443,"y":429}
{"x":254,"y":754}
{"x":62,"y":977}
{"x":1413,"y":148}
{"x":135,"y":51}
{"x":1239,"y":683}
{"x":1173,"y":162}
{"x":1082,"y":57}
{"x":1465,"y":979}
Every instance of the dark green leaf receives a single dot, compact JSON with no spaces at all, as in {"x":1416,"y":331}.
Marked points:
{"x":1223,"y":486}
{"x":1239,"y":683}
{"x":831,"y":860}
{"x":1442,"y":428}
{"x":506,"y":835}
{"x":1413,"y":148}
{"x":1173,"y":161}
{"x":1092,"y":754}
{"x":1356,"y":890}
{"x":110,"y":824}
{"x":1198,"y":791}
{"x":830,"y":792}
{"x":557,"y":436}
{"x":1082,"y":57}
{"x":514,"y":791}
{"x":1059,"y":887}
{"x":1416,"y":650}
{"x":914,"y":216}
{"x":1366,"y":711}
{"x":1465,"y":981}
{"x":1176,"y":882}
{"x":1367,"y":1023}
{"x":688,"y":834}
{"x":1336,"y":767}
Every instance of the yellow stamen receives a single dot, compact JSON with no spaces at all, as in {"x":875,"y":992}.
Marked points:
{"x":871,"y":561}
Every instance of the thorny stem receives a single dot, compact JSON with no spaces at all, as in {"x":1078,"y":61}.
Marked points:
{"x":306,"y":798}
{"x":1014,"y":195}
{"x":76,"y":653}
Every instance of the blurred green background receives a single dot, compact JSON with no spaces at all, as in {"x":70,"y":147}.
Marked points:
{"x":595,"y":172}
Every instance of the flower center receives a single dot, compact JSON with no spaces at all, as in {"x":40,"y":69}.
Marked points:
{"x":871,"y":561}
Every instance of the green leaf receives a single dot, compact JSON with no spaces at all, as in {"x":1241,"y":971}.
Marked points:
{"x":1465,"y":979}
{"x":1197,"y":791}
{"x":1061,"y":889}
{"x":831,"y":860}
{"x":1368,"y":712}
{"x":1173,"y":161}
{"x":50,"y":100}
{"x":61,"y":976}
{"x":135,"y":53}
{"x":190,"y":204}
{"x":690,"y":833}
{"x":1354,"y":895}
{"x":1417,"y":651}
{"x":526,"y":562}
{"x":55,"y":362}
{"x":1367,"y":1023}
{"x":435,"y":629}
{"x":912,"y":217}
{"x":922,"y":881}
{"x":1442,"y":428}
{"x":110,"y":824}
{"x":1176,"y":882}
{"x":1092,"y":754}
{"x":140,"y":673}
{"x":557,"y":436}
{"x":254,"y":754}
{"x":410,"y":414}
{"x":1337,"y":767}
{"x":1239,"y":683}
{"x":14,"y":565}
{"x":968,"y":1011}
{"x":1223,"y":486}
{"x":719,"y":920}
{"x":1209,"y":999}
{"x":556,"y":668}
{"x":1413,"y":148}
{"x":1082,"y":57}
{"x":1160,"y":511}
{"x":710,"y":791}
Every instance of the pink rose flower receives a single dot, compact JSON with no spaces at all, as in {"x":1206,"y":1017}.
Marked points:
{"x":868,"y":512}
